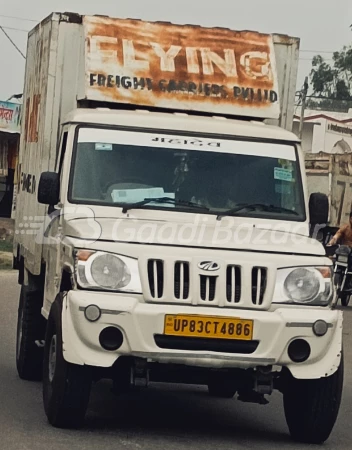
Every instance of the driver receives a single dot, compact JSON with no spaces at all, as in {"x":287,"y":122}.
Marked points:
{"x":344,"y":235}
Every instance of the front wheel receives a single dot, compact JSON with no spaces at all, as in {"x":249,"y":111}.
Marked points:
{"x":66,"y":387}
{"x":312,"y":406}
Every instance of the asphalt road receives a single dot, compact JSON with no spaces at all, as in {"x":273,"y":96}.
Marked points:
{"x":161,"y":417}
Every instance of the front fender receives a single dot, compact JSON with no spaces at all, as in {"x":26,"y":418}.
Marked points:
{"x":328,"y":365}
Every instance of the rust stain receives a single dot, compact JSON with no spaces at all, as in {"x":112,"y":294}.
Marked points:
{"x":189,"y":66}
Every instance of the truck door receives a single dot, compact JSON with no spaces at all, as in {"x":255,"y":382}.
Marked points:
{"x":53,"y":238}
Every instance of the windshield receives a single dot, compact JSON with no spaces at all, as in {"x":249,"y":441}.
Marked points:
{"x":221,"y":176}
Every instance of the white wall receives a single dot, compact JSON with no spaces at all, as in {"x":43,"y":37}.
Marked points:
{"x":319,"y":135}
{"x":307,"y":135}
{"x":342,"y":137}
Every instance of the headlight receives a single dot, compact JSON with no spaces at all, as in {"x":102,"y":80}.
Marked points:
{"x":304,"y":285}
{"x":100,"y":270}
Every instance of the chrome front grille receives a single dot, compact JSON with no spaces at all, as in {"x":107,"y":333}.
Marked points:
{"x":259,"y":280}
{"x":181,"y":280}
{"x":156,"y":278}
{"x":233,"y":284}
{"x":207,"y":288}
{"x":170,"y":281}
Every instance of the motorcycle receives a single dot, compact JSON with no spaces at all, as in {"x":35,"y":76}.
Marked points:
{"x":342,"y":272}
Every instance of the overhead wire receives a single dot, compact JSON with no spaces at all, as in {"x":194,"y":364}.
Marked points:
{"x":9,"y":38}
{"x":14,"y":29}
{"x":315,"y":51}
{"x":18,"y":18}
{"x":310,"y":59}
{"x":3,"y":28}
{"x":33,"y":20}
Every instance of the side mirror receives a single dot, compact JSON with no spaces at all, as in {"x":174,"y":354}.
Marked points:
{"x":49,"y":188}
{"x":318,"y":209}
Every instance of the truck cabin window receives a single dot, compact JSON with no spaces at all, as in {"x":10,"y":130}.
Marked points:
{"x":113,"y":167}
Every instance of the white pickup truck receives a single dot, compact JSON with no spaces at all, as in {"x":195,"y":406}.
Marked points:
{"x":162,"y":228}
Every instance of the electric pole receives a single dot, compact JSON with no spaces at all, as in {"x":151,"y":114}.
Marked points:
{"x":304,"y":93}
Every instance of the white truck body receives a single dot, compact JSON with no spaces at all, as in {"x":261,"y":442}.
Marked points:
{"x":203,"y":217}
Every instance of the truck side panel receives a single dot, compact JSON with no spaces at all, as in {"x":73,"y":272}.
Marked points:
{"x":287,"y":54}
{"x":49,"y":93}
{"x":35,"y":137}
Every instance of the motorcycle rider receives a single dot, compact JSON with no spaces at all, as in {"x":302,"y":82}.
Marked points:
{"x":343,"y":279}
{"x":344,"y":235}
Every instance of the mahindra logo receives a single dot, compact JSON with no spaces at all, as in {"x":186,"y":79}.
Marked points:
{"x":209,"y":266}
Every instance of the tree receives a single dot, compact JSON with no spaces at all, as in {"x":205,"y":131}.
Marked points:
{"x":333,"y":81}
{"x":322,"y":77}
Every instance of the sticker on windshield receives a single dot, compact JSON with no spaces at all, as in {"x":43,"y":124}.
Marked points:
{"x":282,"y":174}
{"x":106,"y":147}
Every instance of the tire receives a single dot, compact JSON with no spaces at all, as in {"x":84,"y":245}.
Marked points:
{"x":221,"y":388}
{"x":312,"y":406}
{"x":30,"y":328}
{"x":66,"y":387}
{"x":345,"y":299}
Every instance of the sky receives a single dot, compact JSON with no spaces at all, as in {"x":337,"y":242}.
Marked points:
{"x":322,"y":26}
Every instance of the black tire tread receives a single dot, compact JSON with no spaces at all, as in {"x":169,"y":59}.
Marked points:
{"x":311,"y":407}
{"x":73,"y":410}
{"x":29,"y":361}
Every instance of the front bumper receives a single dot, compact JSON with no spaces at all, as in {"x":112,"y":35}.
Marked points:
{"x":140,"y":322}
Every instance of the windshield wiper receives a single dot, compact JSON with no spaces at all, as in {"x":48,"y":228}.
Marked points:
{"x":256,"y":206}
{"x":170,"y":200}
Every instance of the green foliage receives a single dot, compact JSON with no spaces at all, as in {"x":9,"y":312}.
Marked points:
{"x":334,"y":80}
{"x":326,"y":104}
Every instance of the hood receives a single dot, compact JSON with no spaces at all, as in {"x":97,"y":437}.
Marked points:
{"x":227,"y":234}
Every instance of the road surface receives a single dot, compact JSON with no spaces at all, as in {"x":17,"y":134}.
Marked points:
{"x":160,"y":418}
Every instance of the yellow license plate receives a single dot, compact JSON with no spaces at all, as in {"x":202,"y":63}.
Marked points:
{"x":208,"y":327}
